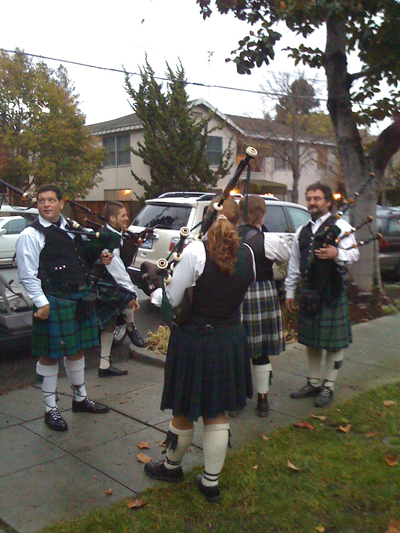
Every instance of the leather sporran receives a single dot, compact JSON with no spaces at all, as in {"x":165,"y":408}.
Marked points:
{"x":183,"y":311}
{"x":85,"y":306}
{"x":310,"y":302}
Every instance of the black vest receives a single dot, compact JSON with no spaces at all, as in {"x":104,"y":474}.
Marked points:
{"x":255,"y":239}
{"x":61,"y":260}
{"x":217,"y":296}
{"x":325,"y":276}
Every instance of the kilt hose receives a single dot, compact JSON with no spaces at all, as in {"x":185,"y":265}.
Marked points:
{"x":329,"y":329}
{"x":207,"y":371}
{"x":111,"y":301}
{"x":262,"y":320}
{"x":62,"y":334}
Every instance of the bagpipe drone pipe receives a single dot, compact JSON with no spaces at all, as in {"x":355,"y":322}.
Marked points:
{"x":158,"y":276}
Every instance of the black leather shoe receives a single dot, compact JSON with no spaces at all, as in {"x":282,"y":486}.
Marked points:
{"x":211,"y":494}
{"x":262,"y":405}
{"x":306,"y":391}
{"x":159,"y":471}
{"x":111,"y":371}
{"x":54,"y":420}
{"x":324,"y":397}
{"x":89,"y":406}
{"x":134,"y":336}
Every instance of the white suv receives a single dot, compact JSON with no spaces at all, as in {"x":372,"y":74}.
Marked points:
{"x":168,"y":213}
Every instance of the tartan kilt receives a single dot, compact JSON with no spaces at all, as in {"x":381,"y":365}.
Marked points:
{"x":111,"y":301}
{"x":207,"y":372}
{"x":262,"y":320}
{"x":62,"y":334}
{"x":329,"y":329}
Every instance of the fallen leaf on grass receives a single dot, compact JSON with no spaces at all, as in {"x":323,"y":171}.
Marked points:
{"x":320,"y":528}
{"x":292,"y":466}
{"x":136,"y":504}
{"x":255,"y":467}
{"x":109,"y":492}
{"x":388,"y":403}
{"x":393,"y":526}
{"x":345,"y":429}
{"x":319,"y":417}
{"x":143,"y":445}
{"x":303,"y":424}
{"x":370,"y":435}
{"x":143,"y":458}
{"x":391,"y":459}
{"x":264,"y":437}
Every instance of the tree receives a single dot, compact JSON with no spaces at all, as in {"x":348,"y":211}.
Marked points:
{"x":42,"y":133}
{"x":371,"y":30}
{"x":175,"y":137}
{"x":296,"y":130}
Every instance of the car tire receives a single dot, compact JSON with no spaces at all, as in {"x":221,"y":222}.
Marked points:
{"x":119,"y":335}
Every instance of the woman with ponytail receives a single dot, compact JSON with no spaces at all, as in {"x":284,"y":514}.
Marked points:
{"x":207,"y":369}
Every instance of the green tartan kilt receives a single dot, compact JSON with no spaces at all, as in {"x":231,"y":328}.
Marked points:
{"x":207,"y":371}
{"x":262,"y":320}
{"x":61,"y":334}
{"x":329,"y":329}
{"x":111,"y":301}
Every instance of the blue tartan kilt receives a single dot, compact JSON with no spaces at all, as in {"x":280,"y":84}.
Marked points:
{"x":262,"y":320}
{"x":62,"y":334}
{"x":329,"y":329}
{"x":111,"y":301}
{"x":207,"y":372}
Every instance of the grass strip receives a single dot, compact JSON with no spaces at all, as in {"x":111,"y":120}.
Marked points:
{"x":348,"y":481}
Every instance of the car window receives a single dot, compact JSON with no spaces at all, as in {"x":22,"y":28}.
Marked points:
{"x":394,"y":227}
{"x":299,"y":216}
{"x":163,"y":216}
{"x":275,"y":219}
{"x":15,"y":226}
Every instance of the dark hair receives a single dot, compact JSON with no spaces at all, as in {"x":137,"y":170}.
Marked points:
{"x":321,"y":187}
{"x":255,"y":210}
{"x":223,"y":239}
{"x":112,"y":209}
{"x":50,"y":187}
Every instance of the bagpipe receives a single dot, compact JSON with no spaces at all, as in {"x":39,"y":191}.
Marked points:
{"x":158,"y":276}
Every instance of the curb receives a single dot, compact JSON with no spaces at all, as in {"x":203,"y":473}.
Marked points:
{"x":146,"y":356}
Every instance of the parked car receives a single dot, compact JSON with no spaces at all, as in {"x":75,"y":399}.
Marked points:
{"x":10,"y":228}
{"x":15,"y":317}
{"x":388,"y":225}
{"x":168,"y":213}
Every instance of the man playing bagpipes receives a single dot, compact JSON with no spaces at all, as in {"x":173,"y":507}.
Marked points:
{"x":52,"y":266}
{"x":323,"y":320}
{"x":116,"y":293}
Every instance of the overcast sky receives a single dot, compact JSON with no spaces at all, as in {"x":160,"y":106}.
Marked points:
{"x":120,"y":33}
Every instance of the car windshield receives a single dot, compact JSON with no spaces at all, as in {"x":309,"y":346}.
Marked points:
{"x":163,"y":216}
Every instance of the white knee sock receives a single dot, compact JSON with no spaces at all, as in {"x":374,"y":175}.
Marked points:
{"x":333,"y":364}
{"x":262,"y":374}
{"x":314,"y":362}
{"x":129,"y":315}
{"x":215,"y":443}
{"x":178,"y":442}
{"x":106,"y":340}
{"x":49,"y":384}
{"x":76,"y":373}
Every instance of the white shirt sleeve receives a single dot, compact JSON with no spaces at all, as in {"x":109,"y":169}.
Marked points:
{"x":276,"y":248}
{"x":352,"y":255}
{"x":118,"y":271}
{"x":186,"y":272}
{"x":29,"y":245}
{"x":293,"y":275}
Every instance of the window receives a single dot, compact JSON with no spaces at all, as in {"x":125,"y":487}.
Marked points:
{"x":299,"y":216}
{"x":117,"y":150}
{"x":163,"y":216}
{"x":275,"y":219}
{"x":15,"y":226}
{"x":214,"y":150}
{"x":280,"y":162}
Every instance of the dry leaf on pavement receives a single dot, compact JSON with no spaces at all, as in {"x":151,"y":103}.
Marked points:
{"x":143,"y":445}
{"x":391,"y":459}
{"x":304,"y":425}
{"x":143,"y":458}
{"x":345,"y":429}
{"x":109,"y":492}
{"x":292,"y":466}
{"x":388,"y":403}
{"x":162,"y":443}
{"x":136,"y":504}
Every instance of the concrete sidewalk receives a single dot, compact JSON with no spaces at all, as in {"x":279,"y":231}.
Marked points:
{"x":46,"y":476}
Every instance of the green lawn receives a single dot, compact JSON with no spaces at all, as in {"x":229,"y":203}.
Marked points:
{"x":348,"y":481}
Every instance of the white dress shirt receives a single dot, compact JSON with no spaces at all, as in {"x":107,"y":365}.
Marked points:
{"x":344,"y":257}
{"x":117,"y":268}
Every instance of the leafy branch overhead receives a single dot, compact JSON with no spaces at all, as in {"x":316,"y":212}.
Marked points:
{"x":175,"y":136}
